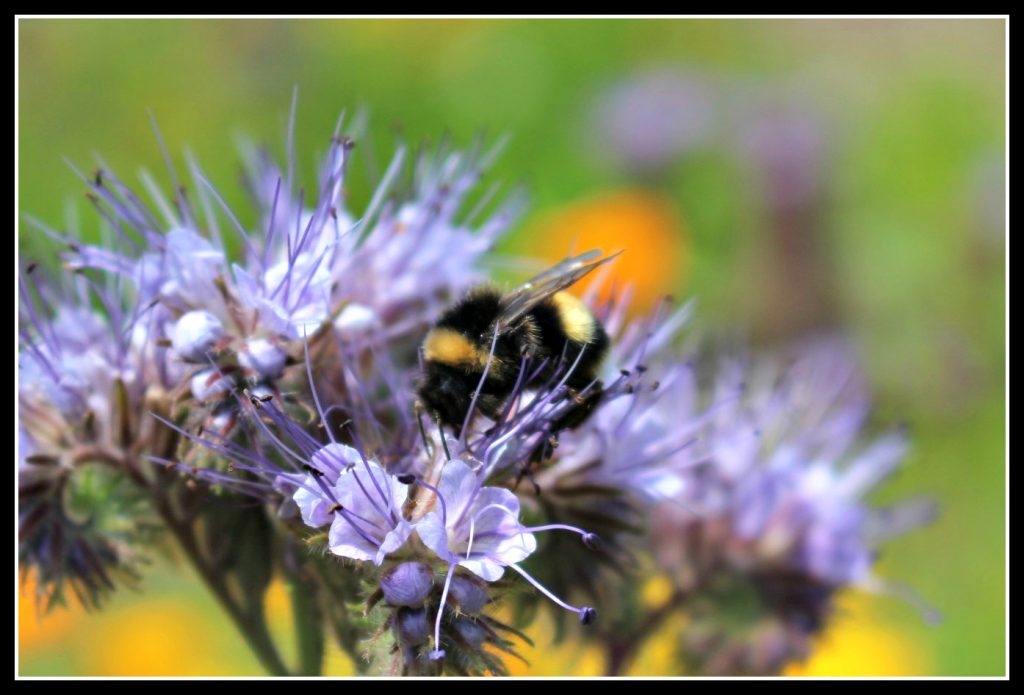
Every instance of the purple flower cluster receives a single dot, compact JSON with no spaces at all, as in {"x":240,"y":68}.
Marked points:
{"x":287,"y":372}
{"x":776,"y":507}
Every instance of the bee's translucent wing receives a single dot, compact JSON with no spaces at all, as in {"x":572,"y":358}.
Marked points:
{"x":537,"y":289}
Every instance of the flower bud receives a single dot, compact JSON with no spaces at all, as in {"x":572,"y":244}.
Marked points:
{"x":407,"y":584}
{"x":355,"y":318}
{"x":468,"y":593}
{"x":195,"y":334}
{"x":471,"y":632}
{"x":263,"y":357}
{"x":208,"y":384}
{"x":411,"y":626}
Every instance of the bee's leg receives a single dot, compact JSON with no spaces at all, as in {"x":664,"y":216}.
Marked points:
{"x":428,"y":445}
{"x":540,"y":454}
{"x":444,"y":440}
{"x":526,"y":472}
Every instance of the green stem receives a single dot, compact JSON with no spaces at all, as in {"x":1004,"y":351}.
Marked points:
{"x":251,"y":624}
{"x":622,"y":647}
{"x":308,"y":628}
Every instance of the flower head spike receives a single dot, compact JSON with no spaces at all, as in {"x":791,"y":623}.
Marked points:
{"x":277,"y":361}
{"x":80,"y":389}
{"x":774,"y":517}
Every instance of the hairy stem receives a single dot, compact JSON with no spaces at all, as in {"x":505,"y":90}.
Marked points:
{"x":622,"y":646}
{"x":250,"y":624}
{"x":309,"y":633}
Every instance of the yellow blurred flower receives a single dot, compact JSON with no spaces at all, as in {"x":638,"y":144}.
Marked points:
{"x":571,"y":657}
{"x":858,"y":644}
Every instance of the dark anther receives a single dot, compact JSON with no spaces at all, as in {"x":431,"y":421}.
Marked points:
{"x":98,"y":177}
{"x":313,"y":471}
{"x":655,"y":385}
{"x":407,"y":479}
{"x":630,"y":389}
{"x":592,"y":541}
{"x":641,"y":368}
{"x":587,"y":615}
{"x":625,"y":372}
{"x":31,"y":268}
{"x":335,"y":508}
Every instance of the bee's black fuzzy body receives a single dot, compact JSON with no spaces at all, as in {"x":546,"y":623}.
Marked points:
{"x":458,"y":350}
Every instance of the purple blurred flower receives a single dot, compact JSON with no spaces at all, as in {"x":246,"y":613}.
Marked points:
{"x":775,"y":508}
{"x":783,"y":140}
{"x":79,"y":394}
{"x":648,"y":120}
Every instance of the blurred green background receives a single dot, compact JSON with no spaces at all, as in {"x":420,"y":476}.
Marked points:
{"x":832,"y":173}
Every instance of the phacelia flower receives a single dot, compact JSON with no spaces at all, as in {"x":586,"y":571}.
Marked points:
{"x":80,"y":391}
{"x":773,"y":517}
{"x":474,"y":526}
{"x":279,"y":362}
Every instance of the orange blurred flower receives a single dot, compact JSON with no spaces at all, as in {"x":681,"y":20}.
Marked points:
{"x":36,"y":629}
{"x":645,"y":225}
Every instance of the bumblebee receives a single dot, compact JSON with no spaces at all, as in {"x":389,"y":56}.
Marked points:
{"x":484,"y":341}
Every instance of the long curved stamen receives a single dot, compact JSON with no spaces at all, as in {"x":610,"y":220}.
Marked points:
{"x":439,"y":653}
{"x":479,"y":388}
{"x":591,"y":540}
{"x":346,"y":515}
{"x":345,"y":512}
{"x":384,"y":514}
{"x":305,"y":286}
{"x":929,"y":613}
{"x":388,"y":501}
{"x":515,"y":390}
{"x":312,"y":387}
{"x":364,"y":398}
{"x":586,"y":613}
{"x":271,"y":230}
{"x":281,"y":446}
